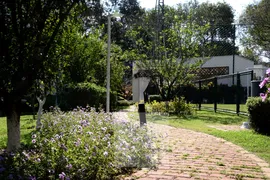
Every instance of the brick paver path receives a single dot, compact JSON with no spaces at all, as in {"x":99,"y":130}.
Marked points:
{"x":193,"y":155}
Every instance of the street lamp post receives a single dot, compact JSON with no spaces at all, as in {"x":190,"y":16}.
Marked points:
{"x":115,"y":14}
{"x":108,"y":66}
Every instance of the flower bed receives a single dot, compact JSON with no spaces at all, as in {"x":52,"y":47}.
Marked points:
{"x":81,"y":144}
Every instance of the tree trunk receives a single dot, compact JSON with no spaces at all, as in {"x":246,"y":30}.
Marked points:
{"x":40,"y":109}
{"x":13,"y":126}
{"x":33,"y":106}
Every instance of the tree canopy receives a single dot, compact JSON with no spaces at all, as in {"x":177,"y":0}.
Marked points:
{"x":256,"y":23}
{"x":29,"y":50}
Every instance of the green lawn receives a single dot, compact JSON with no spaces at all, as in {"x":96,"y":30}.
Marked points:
{"x":231,"y":107}
{"x":254,"y":143}
{"x":27,"y":126}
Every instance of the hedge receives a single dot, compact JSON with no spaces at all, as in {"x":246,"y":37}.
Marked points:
{"x":259,"y":115}
{"x":82,"y":94}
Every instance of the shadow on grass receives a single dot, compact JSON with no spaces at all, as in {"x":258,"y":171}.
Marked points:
{"x":206,"y":116}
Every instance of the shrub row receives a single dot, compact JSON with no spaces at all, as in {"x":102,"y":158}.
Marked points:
{"x":259,"y":114}
{"x":81,"y":144}
{"x":177,"y":107}
{"x":82,"y":94}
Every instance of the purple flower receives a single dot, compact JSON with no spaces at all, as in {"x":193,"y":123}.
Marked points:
{"x":89,"y":133}
{"x":263,"y":96}
{"x":69,"y":166}
{"x":2,"y":169}
{"x":62,"y":176}
{"x":63,"y":147}
{"x":264,"y":82}
{"x":32,"y":178}
{"x":78,"y":142}
{"x":10,"y":176}
{"x":268,"y":71}
{"x":34,"y":141}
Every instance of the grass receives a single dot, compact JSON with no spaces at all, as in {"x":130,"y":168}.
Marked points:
{"x":249,"y":140}
{"x":231,"y":107}
{"x":27,"y":126}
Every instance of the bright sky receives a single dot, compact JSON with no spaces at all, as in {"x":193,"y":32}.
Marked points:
{"x":237,"y":5}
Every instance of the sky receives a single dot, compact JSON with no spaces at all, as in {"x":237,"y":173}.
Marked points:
{"x":237,"y":5}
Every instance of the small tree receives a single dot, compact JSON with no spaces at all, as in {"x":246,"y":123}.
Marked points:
{"x":170,"y":59}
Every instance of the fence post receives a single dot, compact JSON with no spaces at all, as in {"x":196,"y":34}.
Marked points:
{"x":200,"y":94}
{"x":142,"y":115}
{"x":215,"y":94}
{"x":238,"y":94}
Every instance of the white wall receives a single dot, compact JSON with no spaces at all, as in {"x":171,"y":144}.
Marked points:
{"x":241,"y":64}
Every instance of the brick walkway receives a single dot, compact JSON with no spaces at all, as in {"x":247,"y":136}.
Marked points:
{"x":193,"y":155}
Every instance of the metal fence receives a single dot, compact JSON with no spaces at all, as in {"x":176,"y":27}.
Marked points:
{"x":224,"y":93}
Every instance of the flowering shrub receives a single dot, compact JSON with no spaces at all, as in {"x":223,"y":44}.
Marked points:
{"x":81,"y":144}
{"x":258,"y":109}
{"x":263,"y":83}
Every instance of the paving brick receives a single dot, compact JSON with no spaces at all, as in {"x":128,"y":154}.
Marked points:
{"x":197,"y":155}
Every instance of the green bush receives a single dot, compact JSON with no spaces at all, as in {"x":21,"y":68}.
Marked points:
{"x":180,"y":107}
{"x":259,"y":114}
{"x":81,"y":144}
{"x":177,"y":107}
{"x":82,"y":94}
{"x":158,"y":107}
{"x":157,"y":98}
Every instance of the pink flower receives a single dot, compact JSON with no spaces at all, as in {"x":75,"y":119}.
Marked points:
{"x":263,"y":96}
{"x":268,"y":71}
{"x":264,"y":82}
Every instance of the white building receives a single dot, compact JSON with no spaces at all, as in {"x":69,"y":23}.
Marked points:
{"x":239,"y":64}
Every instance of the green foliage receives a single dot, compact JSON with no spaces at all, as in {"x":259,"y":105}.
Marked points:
{"x":81,"y":144}
{"x":168,"y":65}
{"x":124,"y":103}
{"x":175,"y":107}
{"x":218,"y":39}
{"x":152,"y":98}
{"x":158,"y":107}
{"x":83,"y":94}
{"x":257,"y":36}
{"x":179,"y":107}
{"x":259,"y":115}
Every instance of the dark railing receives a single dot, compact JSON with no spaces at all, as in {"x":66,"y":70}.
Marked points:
{"x":227,"y":93}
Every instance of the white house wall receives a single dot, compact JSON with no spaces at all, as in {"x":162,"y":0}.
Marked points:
{"x":241,"y":64}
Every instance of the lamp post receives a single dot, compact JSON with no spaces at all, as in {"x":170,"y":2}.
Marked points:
{"x":108,"y":65}
{"x":116,"y":14}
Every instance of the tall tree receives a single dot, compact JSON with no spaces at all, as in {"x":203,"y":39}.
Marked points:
{"x":256,"y":23}
{"x":27,"y":39}
{"x":219,"y":39}
{"x":166,"y":62}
